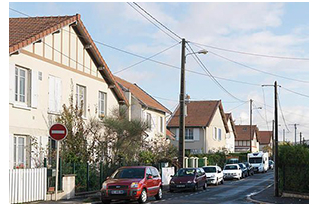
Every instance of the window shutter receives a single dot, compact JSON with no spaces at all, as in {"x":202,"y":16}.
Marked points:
{"x":51,"y":93}
{"x":11,"y":82}
{"x":177,"y":134}
{"x":153,"y":122}
{"x":58,"y":94}
{"x":34,"y":88}
{"x":196,"y":134}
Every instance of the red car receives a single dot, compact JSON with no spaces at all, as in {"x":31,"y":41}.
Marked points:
{"x":132,"y":183}
{"x":188,"y":178}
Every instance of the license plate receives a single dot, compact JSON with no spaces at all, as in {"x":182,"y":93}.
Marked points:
{"x":180,"y":186}
{"x":117,"y":192}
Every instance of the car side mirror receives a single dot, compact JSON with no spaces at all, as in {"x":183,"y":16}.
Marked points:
{"x":149,"y":177}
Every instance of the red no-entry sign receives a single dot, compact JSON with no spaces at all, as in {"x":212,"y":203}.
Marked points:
{"x":58,"y":132}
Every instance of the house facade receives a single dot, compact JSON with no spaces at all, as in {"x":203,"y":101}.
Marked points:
{"x":143,"y":107}
{"x":231,"y":135}
{"x":50,"y":59}
{"x":243,"y":139}
{"x":265,"y":141}
{"x":206,"y":127}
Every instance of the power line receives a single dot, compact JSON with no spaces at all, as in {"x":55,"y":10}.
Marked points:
{"x":238,"y":106}
{"x":251,"y":68}
{"x":151,"y":21}
{"x":252,"y":54}
{"x":295,"y":92}
{"x":145,"y":59}
{"x":211,"y":76}
{"x":262,"y":116}
{"x":157,"y":20}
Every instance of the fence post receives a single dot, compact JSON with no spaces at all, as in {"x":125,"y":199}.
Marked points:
{"x":283,"y":177}
{"x":87,"y":176}
{"x":60,"y":174}
{"x":73,"y":167}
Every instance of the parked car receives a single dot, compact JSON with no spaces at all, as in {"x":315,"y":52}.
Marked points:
{"x":271,"y":164}
{"x":132,"y":183}
{"x":232,"y":171}
{"x":232,"y":161}
{"x":250,"y":168}
{"x":188,"y":178}
{"x":214,"y":175}
{"x":243,"y":169}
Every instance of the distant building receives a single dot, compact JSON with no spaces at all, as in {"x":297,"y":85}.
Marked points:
{"x":265,"y":141}
{"x":206,"y":126}
{"x":243,"y":139}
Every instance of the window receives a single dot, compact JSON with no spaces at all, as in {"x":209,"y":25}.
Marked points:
{"x":81,"y":98}
{"x":148,"y":172}
{"x":19,"y":151}
{"x":155,"y":173}
{"x":219,"y":134}
{"x":189,"y":135}
{"x":236,"y":143}
{"x":149,"y":121}
{"x":22,"y":85}
{"x":240,"y":143}
{"x":55,"y":94}
{"x":102,"y":104}
{"x":215,"y":133}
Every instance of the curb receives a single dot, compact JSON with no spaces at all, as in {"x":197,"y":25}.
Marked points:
{"x":257,"y":201}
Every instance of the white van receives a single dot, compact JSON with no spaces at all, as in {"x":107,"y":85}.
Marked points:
{"x":259,"y":161}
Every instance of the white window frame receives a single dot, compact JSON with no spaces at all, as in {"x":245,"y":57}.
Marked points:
{"x":102,"y":102}
{"x":219,"y":134}
{"x":17,"y":149}
{"x":189,"y":134}
{"x":161,"y":124}
{"x":215,"y":131}
{"x":149,"y":121}
{"x":79,"y":99}
{"x":55,"y":94}
{"x":17,"y":86}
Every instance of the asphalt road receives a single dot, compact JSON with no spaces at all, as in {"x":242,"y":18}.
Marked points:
{"x":231,"y":192}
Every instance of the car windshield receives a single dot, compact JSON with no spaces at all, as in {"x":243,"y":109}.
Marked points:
{"x":209,"y":169}
{"x":185,"y":172}
{"x":231,"y":167}
{"x":241,"y":166}
{"x":255,"y":160}
{"x":129,"y":173}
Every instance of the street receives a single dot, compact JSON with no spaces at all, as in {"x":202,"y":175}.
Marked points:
{"x":231,"y":192}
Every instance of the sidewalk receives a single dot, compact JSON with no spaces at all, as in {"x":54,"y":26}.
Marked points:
{"x":267,"y":197}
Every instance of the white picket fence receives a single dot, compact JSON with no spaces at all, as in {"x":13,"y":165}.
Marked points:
{"x":26,"y":185}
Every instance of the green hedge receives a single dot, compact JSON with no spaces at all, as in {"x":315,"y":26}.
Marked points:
{"x":293,"y":167}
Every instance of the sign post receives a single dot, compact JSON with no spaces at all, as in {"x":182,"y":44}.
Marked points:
{"x":57,"y":132}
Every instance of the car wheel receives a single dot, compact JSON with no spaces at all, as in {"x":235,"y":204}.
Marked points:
{"x":195,"y":188}
{"x":159,"y":195}
{"x":171,"y":190}
{"x":105,"y":201}
{"x":205,"y":186}
{"x":143,"y":197}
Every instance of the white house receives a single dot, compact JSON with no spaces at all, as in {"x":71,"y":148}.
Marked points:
{"x":231,"y":135}
{"x":143,"y":107}
{"x":49,"y":57}
{"x":206,"y":127}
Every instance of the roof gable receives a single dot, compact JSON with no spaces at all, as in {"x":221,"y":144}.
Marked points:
{"x":243,"y":132}
{"x":25,"y":31}
{"x":144,"y":98}
{"x":199,"y":114}
{"x":264,"y":137}
{"x":229,"y":117}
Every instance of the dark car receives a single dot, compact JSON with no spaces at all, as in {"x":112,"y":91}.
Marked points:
{"x":250,"y":168}
{"x":243,"y":169}
{"x":188,"y":178}
{"x":132,"y":183}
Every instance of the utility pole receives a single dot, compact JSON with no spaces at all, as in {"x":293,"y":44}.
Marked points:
{"x":276,"y":142}
{"x":283,"y":135}
{"x":273,"y":141}
{"x":181,"y":149}
{"x":275,"y":127}
{"x":300,"y":137}
{"x":295,"y":126}
{"x":251,"y":120}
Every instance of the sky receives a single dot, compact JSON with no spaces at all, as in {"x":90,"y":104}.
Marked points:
{"x":272,"y":29}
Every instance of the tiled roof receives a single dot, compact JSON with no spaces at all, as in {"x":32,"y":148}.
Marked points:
{"x":229,"y":117}
{"x":170,"y":134}
{"x":142,"y":95}
{"x":25,"y":31}
{"x":199,"y":114}
{"x":243,"y":132}
{"x":264,"y":137}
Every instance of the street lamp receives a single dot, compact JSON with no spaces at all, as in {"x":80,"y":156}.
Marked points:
{"x":181,"y":148}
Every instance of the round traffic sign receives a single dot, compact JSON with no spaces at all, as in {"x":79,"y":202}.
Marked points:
{"x":58,"y":132}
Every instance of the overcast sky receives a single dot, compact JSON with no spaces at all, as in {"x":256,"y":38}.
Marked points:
{"x":273,"y":29}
